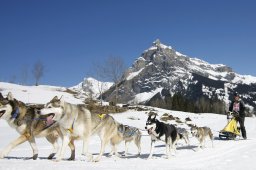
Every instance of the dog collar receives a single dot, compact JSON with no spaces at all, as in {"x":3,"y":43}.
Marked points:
{"x":16,"y":113}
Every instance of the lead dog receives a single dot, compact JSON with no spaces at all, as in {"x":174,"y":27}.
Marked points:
{"x":161,"y":131}
{"x":201,"y":133}
{"x":27,"y":123}
{"x":77,"y":122}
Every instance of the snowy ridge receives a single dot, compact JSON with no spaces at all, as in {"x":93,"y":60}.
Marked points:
{"x":37,"y":94}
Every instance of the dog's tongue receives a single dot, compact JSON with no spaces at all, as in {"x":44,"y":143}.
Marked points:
{"x":49,"y":120}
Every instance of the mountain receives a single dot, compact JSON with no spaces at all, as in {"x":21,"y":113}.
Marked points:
{"x":162,"y":73}
{"x":91,"y":88}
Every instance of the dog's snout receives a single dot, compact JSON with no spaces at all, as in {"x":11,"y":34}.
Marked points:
{"x":145,"y":127}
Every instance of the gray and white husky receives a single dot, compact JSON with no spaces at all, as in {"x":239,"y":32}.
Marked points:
{"x":77,"y":122}
{"x":128,"y":134}
{"x":201,"y":133}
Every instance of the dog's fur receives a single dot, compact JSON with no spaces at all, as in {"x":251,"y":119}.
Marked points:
{"x":161,"y":131}
{"x":129,"y":134}
{"x":229,"y":116}
{"x":77,"y":122}
{"x":28,"y":124}
{"x":201,"y":133}
{"x":183,"y":134}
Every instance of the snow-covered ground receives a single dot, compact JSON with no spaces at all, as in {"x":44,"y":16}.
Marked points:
{"x":234,"y":154}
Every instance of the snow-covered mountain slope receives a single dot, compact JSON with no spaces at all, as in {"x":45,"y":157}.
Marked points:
{"x":236,"y":155}
{"x":91,"y":87}
{"x":38,"y":94}
{"x":161,"y":69}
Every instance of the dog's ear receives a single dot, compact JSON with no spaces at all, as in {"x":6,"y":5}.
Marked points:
{"x":55,"y":98}
{"x":62,"y":101}
{"x":1,"y":96}
{"x":61,"y":97}
{"x":193,"y":125}
{"x":9,"y":96}
{"x":153,"y":116}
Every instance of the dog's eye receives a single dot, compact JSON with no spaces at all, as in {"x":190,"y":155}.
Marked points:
{"x":49,"y":107}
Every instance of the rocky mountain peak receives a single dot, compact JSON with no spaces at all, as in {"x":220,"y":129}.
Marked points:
{"x":161,"y":68}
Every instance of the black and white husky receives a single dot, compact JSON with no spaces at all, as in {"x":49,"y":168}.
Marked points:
{"x":161,"y":131}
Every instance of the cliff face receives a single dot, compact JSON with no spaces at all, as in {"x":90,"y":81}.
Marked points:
{"x":161,"y":71}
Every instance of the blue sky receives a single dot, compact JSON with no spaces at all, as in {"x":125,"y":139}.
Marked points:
{"x":68,"y":36}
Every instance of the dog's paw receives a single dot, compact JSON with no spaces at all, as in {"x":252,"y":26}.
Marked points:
{"x":89,"y":156}
{"x":58,"y":159}
{"x":96,"y":159}
{"x":51,"y":156}
{"x":35,"y":156}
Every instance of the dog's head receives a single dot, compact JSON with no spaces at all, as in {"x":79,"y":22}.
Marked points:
{"x":151,"y":123}
{"x":230,"y":115}
{"x":194,"y":130}
{"x":53,"y":111}
{"x":7,"y":106}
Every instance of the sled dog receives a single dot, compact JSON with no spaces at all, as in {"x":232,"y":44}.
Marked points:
{"x":27,"y":123}
{"x":201,"y":133}
{"x":183,"y":134}
{"x":129,"y":134}
{"x":77,"y":122}
{"x":161,"y":131}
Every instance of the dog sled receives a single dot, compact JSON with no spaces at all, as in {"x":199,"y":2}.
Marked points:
{"x":231,"y":130}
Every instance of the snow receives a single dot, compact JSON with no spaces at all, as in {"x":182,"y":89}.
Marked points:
{"x":210,"y":69}
{"x":134,"y":74}
{"x":142,"y":97}
{"x":91,"y":85}
{"x":234,"y":154}
{"x":225,"y":154}
{"x":179,"y":54}
{"x":37,"y":94}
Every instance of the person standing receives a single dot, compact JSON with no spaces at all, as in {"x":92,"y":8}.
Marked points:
{"x":237,"y":105}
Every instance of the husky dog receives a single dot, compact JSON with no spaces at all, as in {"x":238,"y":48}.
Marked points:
{"x":183,"y":134}
{"x":77,"y":122}
{"x":229,"y":116}
{"x":161,"y":131}
{"x":201,"y":133}
{"x":129,"y":134}
{"x":28,"y":124}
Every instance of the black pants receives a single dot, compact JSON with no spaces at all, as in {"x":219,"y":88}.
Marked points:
{"x":241,"y":122}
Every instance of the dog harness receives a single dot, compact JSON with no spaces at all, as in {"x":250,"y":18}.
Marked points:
{"x":16,"y":113}
{"x":72,"y":126}
{"x":102,"y":115}
{"x":129,"y":132}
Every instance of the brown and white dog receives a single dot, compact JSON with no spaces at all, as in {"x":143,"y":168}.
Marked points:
{"x":27,"y":123}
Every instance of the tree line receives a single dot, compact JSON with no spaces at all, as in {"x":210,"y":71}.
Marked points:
{"x":181,"y":103}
